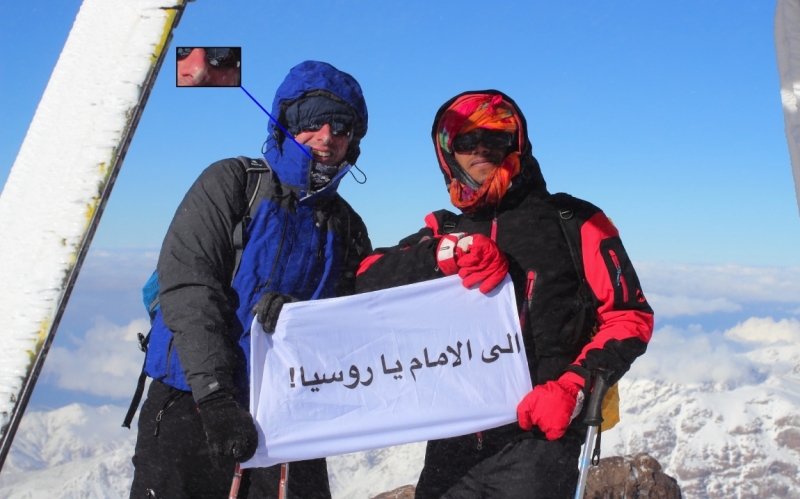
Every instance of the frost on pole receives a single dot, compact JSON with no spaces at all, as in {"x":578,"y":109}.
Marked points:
{"x":787,"y":45}
{"x":62,"y":176}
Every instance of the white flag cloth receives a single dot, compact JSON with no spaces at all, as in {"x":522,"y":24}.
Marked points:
{"x":418,"y":362}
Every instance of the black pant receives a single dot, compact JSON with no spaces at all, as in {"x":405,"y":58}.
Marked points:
{"x":523,"y":469}
{"x":172,"y":460}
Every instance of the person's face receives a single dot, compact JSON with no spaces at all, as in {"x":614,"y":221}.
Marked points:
{"x":327,"y":148}
{"x":194,"y":69}
{"x":481,"y":161}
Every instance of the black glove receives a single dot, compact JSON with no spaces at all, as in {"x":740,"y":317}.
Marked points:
{"x":269,"y":308}
{"x":230,"y":431}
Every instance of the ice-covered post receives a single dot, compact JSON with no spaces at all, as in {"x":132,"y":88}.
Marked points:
{"x":62,"y":177}
{"x":787,"y":45}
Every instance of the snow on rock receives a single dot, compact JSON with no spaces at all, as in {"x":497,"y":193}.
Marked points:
{"x":367,"y":474}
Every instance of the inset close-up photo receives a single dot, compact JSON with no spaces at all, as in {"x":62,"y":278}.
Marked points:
{"x":208,"y":66}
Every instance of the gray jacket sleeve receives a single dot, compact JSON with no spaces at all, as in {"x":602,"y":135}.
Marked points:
{"x":194,"y":270}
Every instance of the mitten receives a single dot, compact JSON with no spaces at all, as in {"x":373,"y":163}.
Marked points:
{"x":552,"y":406}
{"x":268,"y":309}
{"x":230,"y":431}
{"x":475,"y":258}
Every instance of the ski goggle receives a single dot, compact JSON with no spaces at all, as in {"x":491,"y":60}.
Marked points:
{"x":337,"y":129}
{"x":491,"y":139}
{"x":216,"y":56}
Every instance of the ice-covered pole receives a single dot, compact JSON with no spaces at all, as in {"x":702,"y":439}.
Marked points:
{"x":61,"y":179}
{"x":787,"y":45}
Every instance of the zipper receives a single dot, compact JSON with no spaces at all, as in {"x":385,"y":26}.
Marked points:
{"x":480,"y":440}
{"x":620,"y":278}
{"x":169,"y":402}
{"x":526,"y":304}
{"x":494,"y":226}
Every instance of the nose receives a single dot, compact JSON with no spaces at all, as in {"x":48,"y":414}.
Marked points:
{"x":324,"y":134}
{"x":481,"y":148}
{"x":194,"y":63}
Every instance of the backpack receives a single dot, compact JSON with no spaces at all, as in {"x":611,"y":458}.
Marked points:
{"x":254,"y":168}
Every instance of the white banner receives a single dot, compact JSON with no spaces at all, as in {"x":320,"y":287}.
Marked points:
{"x":419,"y":362}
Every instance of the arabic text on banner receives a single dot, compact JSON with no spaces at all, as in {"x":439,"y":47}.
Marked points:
{"x":419,"y":362}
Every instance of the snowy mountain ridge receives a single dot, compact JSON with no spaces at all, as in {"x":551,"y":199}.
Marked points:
{"x":735,"y":439}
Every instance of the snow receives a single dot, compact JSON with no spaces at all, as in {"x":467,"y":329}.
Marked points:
{"x":72,"y":452}
{"x":54,"y":188}
{"x":738,"y":437}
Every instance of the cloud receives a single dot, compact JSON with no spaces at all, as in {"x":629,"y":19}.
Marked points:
{"x":117,"y":270}
{"x":694,"y":356}
{"x":735,"y":283}
{"x":673,"y":306}
{"x":743,"y":354}
{"x":105,"y":362}
{"x":765,"y":331}
{"x":110,"y":284}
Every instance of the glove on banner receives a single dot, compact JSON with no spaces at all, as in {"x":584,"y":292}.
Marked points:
{"x":475,"y":258}
{"x":269,"y":307}
{"x":552,"y":406}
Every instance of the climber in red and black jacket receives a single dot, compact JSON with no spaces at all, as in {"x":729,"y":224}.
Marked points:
{"x":581,"y":301}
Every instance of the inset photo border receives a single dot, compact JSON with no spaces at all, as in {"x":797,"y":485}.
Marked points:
{"x":208,"y":66}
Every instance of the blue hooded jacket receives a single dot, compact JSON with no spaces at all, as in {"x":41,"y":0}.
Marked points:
{"x":295,"y":241}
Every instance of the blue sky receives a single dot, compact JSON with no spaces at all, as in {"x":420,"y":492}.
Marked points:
{"x":665,"y":114}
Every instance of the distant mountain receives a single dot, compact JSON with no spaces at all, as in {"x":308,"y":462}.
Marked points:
{"x":69,"y":453}
{"x":720,"y":440}
{"x":739,"y":439}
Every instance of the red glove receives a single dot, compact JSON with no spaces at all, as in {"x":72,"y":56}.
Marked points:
{"x":475,"y":258}
{"x":552,"y":406}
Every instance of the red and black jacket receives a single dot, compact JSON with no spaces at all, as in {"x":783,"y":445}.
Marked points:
{"x":605,"y":324}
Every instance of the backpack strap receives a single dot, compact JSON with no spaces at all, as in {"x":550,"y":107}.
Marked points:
{"x":255,"y":168}
{"x":572,"y":232}
{"x":441,"y":222}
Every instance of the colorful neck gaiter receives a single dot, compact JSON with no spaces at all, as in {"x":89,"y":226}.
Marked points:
{"x":464,"y":115}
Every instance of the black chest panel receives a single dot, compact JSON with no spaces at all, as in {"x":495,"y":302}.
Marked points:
{"x":560,"y":321}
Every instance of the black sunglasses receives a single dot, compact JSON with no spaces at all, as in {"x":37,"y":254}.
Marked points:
{"x":491,"y":139}
{"x":337,"y":129}
{"x":218,"y":57}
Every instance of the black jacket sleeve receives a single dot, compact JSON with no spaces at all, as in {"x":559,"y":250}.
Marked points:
{"x":412,"y":260}
{"x":195,"y":268}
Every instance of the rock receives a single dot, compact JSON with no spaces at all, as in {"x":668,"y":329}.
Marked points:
{"x":404,"y":492}
{"x":622,"y":477}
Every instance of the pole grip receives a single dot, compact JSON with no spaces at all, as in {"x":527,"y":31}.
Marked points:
{"x":594,"y":416}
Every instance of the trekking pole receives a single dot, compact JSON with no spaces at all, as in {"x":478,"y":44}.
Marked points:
{"x":284,"y":481}
{"x":593,"y":419}
{"x":237,"y":480}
